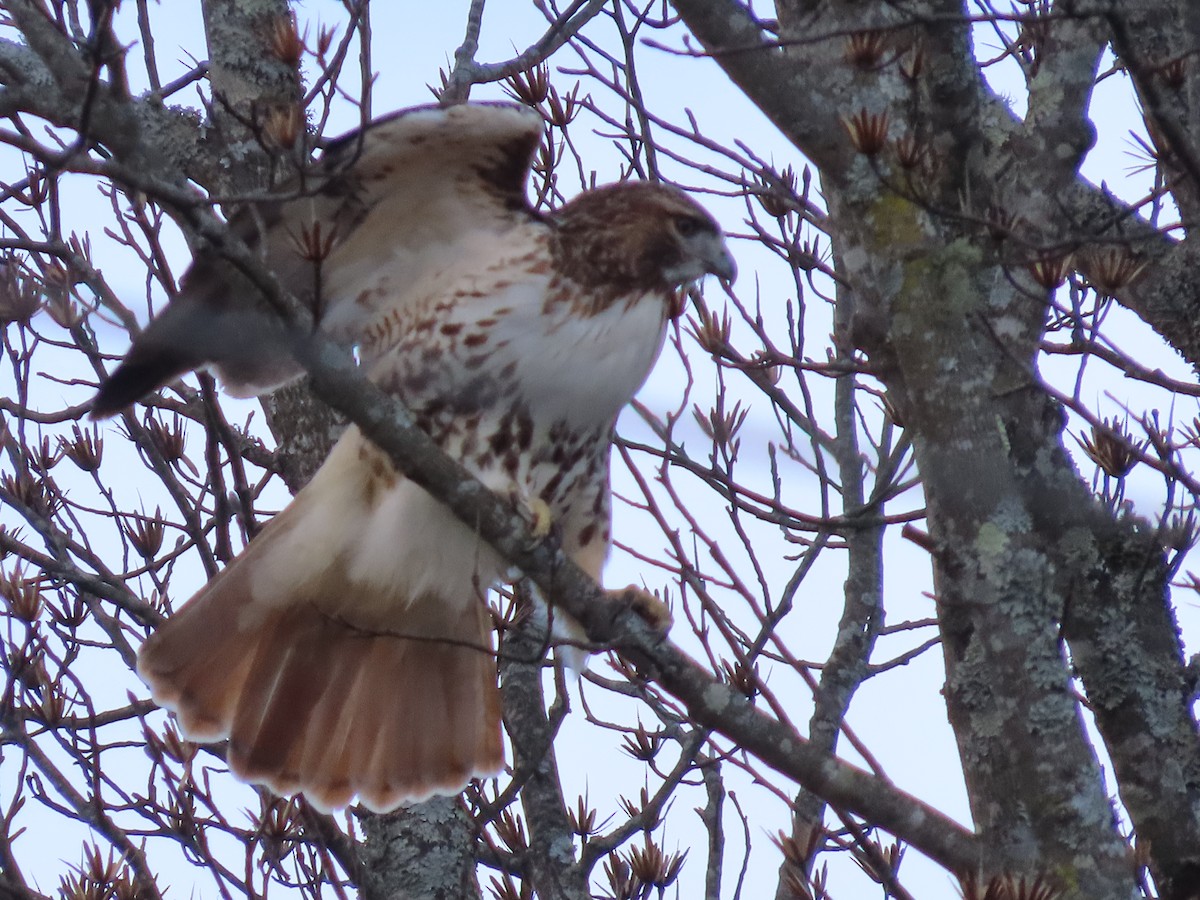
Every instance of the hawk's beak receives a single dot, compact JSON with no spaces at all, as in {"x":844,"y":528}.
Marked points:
{"x":718,"y":261}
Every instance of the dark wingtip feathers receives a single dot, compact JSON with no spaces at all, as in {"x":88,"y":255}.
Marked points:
{"x":137,"y":375}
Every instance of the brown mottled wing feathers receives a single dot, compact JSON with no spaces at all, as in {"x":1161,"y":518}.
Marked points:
{"x":486,"y":147}
{"x":378,"y":197}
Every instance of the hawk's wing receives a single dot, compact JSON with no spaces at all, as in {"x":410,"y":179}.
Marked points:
{"x":399,"y":197}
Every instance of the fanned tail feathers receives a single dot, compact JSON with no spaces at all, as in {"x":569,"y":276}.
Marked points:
{"x":337,"y":686}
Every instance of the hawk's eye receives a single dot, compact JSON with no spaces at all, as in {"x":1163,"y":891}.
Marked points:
{"x":690,"y":226}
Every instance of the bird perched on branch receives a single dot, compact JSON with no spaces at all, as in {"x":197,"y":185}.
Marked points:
{"x":348,"y":650}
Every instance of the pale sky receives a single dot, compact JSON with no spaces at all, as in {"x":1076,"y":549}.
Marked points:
{"x":899,"y":716}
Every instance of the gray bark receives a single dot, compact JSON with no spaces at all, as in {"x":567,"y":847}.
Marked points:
{"x":930,"y":293}
{"x":549,"y":863}
{"x":421,"y":852}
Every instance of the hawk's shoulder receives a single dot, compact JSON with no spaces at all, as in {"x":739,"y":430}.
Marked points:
{"x":480,"y":151}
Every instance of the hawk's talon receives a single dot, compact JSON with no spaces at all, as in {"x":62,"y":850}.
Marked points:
{"x":541,"y":519}
{"x":537,"y":512}
{"x":649,"y":608}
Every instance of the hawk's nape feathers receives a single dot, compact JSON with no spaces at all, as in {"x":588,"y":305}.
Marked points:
{"x":348,"y":650}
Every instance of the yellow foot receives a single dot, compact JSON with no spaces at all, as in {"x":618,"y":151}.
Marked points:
{"x":649,"y":607}
{"x":540,"y":517}
{"x":537,"y":513}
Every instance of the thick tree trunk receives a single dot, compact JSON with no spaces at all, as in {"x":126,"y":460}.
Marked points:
{"x":422,"y":852}
{"x":951,"y":321}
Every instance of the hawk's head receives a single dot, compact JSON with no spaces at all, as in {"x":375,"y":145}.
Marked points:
{"x":638,"y":236}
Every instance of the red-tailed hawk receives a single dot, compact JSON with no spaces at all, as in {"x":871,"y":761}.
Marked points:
{"x":347,"y":651}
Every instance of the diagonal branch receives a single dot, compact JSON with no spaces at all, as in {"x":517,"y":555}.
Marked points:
{"x":337,"y":380}
{"x":713,"y":704}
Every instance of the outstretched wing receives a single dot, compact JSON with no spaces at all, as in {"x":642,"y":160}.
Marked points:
{"x":383,"y":206}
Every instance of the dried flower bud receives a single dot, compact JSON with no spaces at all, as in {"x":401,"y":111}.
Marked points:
{"x":1109,"y":269}
{"x":72,"y":612}
{"x":868,"y":131}
{"x":776,"y":192}
{"x":806,"y":257}
{"x":797,"y":853}
{"x":503,"y":887}
{"x":1111,"y":448}
{"x":739,"y":676}
{"x":126,"y":887}
{"x":444,"y":83}
{"x":1008,"y":887}
{"x":641,"y":744}
{"x":20,"y":301}
{"x":530,"y":87}
{"x":52,"y":707}
{"x":176,"y":746}
{"x":633,"y":809}
{"x":169,"y":440}
{"x":561,"y":110}
{"x":1179,"y":532}
{"x":158,"y":601}
{"x":1174,"y":72}
{"x":1001,"y":222}
{"x":28,"y":666}
{"x":37,"y":188}
{"x":510,"y":828}
{"x":62,"y":308}
{"x":99,"y":870}
{"x":22,"y":596}
{"x":313,"y":244}
{"x":909,"y":152}
{"x":582,"y":818}
{"x":546,"y":158}
{"x":279,"y":828}
{"x":181,"y":816}
{"x":864,"y":49}
{"x":325,"y":40}
{"x":146,"y":534}
{"x":891,"y":411}
{"x":890,"y":857}
{"x":85,"y":449}
{"x":73,"y":887}
{"x":620,"y":883}
{"x":710,"y":331}
{"x":285,"y":41}
{"x":38,"y":495}
{"x":651,"y":866}
{"x":283,"y":125}
{"x":1051,"y":270}
{"x":623,"y":668}
{"x":721,"y":426}
{"x":80,"y":246}
{"x":42,"y":457}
